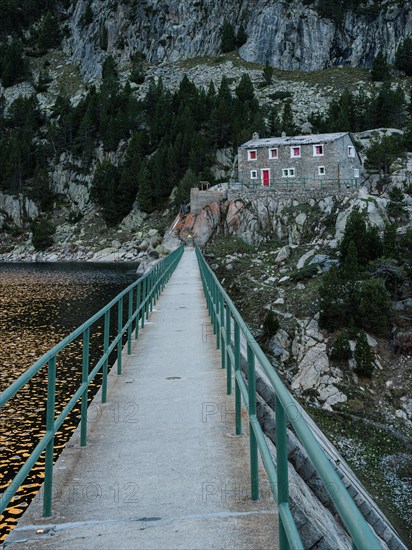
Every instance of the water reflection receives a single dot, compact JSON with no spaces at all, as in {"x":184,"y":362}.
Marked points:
{"x":40,"y":304}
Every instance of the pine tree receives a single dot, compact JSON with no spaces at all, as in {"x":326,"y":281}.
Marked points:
{"x":49,"y":33}
{"x":380,"y":68}
{"x":274,"y":122}
{"x":87,"y":17}
{"x":372,"y":306}
{"x":13,"y":66}
{"x":241,"y":36}
{"x":350,"y":265}
{"x":245,"y":91}
{"x":228,"y":38}
{"x":267,"y":74}
{"x":188,"y":181}
{"x":145,"y":195}
{"x":356,"y":232}
{"x":288,"y":125}
{"x":403,"y":57}
{"x":104,"y":190}
{"x":389,"y":241}
{"x":363,"y":356}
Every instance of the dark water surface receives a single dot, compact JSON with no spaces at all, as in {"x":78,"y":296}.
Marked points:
{"x":40,"y":304}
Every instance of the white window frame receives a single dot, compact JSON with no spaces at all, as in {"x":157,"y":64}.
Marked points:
{"x":315,"y":154}
{"x":253,"y":174}
{"x":292,"y":156}
{"x":321,"y":171}
{"x":249,"y":154}
{"x":356,"y":173}
{"x":270,"y":153}
{"x":288,"y":173}
{"x":351,"y":151}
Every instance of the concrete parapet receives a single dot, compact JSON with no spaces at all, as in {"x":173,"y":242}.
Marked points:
{"x":199,"y":199}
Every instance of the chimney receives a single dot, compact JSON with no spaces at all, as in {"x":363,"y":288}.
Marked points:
{"x":255,"y":136}
{"x":283,"y":134}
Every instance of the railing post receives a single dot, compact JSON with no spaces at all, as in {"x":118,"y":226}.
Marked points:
{"x":222,"y":332}
{"x":138,"y":299}
{"x":282,"y":467}
{"x":238,"y":395}
{"x":151,"y":291}
{"x":217,"y":305}
{"x":144,"y":300}
{"x":254,"y":477}
{"x":129,"y":328}
{"x":119,"y":333}
{"x":148,"y":285}
{"x":51,"y":400}
{"x":85,"y":376}
{"x":106,"y":339}
{"x":228,"y":347}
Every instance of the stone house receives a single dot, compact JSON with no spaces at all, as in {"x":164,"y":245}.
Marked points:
{"x":309,"y":159}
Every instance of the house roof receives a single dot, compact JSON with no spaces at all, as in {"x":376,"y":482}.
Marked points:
{"x":293,"y":140}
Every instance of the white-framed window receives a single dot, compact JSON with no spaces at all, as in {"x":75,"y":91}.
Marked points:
{"x":253,"y":174}
{"x":318,"y":150}
{"x":321,"y":170}
{"x":356,"y":172}
{"x":273,"y":153}
{"x":351,"y":151}
{"x":252,"y":154}
{"x":295,"y":152}
{"x":288,"y":173}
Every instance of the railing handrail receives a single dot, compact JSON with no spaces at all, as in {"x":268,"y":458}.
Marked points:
{"x":9,"y":392}
{"x":223,"y":312}
{"x":147,"y":289}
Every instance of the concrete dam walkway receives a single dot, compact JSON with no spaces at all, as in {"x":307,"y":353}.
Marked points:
{"x":162,"y":468}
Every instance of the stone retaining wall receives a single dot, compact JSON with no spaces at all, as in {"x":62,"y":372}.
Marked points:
{"x":286,"y":193}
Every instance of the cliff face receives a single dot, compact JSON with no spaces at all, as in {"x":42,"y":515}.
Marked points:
{"x":290,"y":35}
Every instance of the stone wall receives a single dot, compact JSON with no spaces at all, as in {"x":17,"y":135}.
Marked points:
{"x":299,"y":193}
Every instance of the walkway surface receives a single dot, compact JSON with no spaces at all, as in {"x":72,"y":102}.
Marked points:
{"x":162,"y":468}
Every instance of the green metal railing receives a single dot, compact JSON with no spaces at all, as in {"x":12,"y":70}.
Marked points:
{"x":142,"y":295}
{"x":229,"y":327}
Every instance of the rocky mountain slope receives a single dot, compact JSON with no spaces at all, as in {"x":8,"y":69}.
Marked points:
{"x":292,"y":35}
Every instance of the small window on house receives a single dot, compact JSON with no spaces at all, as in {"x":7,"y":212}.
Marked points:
{"x":351,"y":151}
{"x":295,"y":151}
{"x":273,"y":153}
{"x":321,"y":171}
{"x":253,"y":174}
{"x":318,"y":151}
{"x":356,"y":172}
{"x":288,"y":173}
{"x":252,"y":154}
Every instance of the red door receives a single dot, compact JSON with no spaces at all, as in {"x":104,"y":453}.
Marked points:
{"x":266,"y":177}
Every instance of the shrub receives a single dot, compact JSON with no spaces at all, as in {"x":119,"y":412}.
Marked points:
{"x":280,"y":94}
{"x":270,"y":325}
{"x":372,"y":306}
{"x":363,"y":356}
{"x":341,"y":349}
{"x":43,"y":231}
{"x":397,"y":205}
{"x":306,"y":272}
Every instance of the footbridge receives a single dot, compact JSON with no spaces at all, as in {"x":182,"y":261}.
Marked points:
{"x":176,"y":456}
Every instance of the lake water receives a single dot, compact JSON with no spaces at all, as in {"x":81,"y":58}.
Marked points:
{"x":40,"y":304}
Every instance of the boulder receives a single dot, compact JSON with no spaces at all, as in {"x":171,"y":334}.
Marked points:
{"x":303,"y":259}
{"x":283,"y":254}
{"x":313,"y":365}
